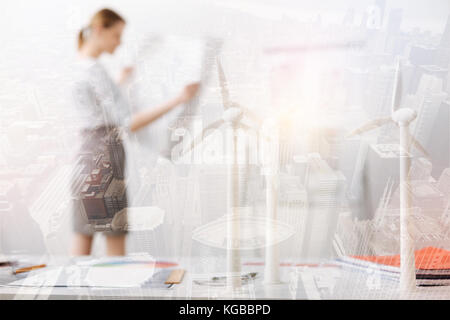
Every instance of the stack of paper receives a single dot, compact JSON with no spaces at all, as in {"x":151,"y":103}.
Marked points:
{"x":432,"y":265}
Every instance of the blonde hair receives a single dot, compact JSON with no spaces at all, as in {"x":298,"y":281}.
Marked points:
{"x":105,"y":18}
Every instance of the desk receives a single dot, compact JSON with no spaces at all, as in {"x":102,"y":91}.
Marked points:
{"x":302,"y":281}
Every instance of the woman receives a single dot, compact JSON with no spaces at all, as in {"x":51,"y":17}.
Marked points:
{"x":100,"y":194}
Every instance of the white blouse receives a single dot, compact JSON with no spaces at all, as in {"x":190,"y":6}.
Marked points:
{"x":97,"y":98}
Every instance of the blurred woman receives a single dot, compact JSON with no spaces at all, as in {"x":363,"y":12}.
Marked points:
{"x":106,"y":115}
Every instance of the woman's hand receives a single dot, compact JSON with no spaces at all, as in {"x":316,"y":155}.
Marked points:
{"x":189,"y":92}
{"x":146,"y":117}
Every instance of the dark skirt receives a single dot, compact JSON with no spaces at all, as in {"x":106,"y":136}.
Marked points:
{"x":98,"y":189}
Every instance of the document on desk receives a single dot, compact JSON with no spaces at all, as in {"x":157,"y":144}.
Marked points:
{"x":76,"y":276}
{"x":120,"y":272}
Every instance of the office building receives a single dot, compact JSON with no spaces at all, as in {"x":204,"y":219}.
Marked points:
{"x":393,"y":44}
{"x":292,"y":211}
{"x":429,"y":98}
{"x":443,"y":52}
{"x":445,"y":40}
{"x":431,"y":82}
{"x":395,"y":20}
{"x":379,"y":92}
{"x":422,"y":55}
{"x":432,"y":70}
{"x":447,"y":89}
{"x":355,"y":78}
{"x":116,"y":155}
{"x":438,"y":144}
{"x":381,"y":172}
{"x":213,"y":190}
{"x":93,"y":192}
{"x":94,"y":205}
{"x":51,"y":209}
{"x":420,"y":169}
{"x":381,"y":5}
{"x":443,"y":58}
{"x":325,"y":189}
{"x":115,"y":197}
{"x":444,"y":184}
{"x":424,"y":195}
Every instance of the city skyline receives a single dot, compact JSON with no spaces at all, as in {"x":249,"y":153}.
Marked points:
{"x":38,"y":132}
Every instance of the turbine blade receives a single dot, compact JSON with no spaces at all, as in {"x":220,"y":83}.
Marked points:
{"x":397,"y":92}
{"x":223,"y":85}
{"x":370,"y":126}
{"x":244,"y":126}
{"x":203,"y":135}
{"x":419,"y":147}
{"x":247,"y":112}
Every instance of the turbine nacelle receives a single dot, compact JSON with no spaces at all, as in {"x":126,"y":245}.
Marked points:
{"x":404,"y":116}
{"x":233,"y":115}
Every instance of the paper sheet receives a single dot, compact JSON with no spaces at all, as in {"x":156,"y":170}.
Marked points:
{"x":76,"y":276}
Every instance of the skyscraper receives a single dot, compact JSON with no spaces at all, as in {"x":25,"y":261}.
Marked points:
{"x":438,"y":144}
{"x":395,"y":21}
{"x":115,"y":197}
{"x":381,"y":4}
{"x":426,"y":69}
{"x":448,"y":83}
{"x":393,"y":44}
{"x":325,"y":189}
{"x":430,"y":96}
{"x":92,"y":196}
{"x":381,"y":170}
{"x":379,"y":92}
{"x":116,"y":155}
{"x":422,"y":55}
{"x":443,"y":53}
{"x":445,"y":40}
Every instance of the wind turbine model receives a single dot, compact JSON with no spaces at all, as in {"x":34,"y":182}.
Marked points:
{"x":232,"y":116}
{"x":402,"y":117}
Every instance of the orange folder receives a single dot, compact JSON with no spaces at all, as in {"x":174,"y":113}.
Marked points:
{"x":429,"y":258}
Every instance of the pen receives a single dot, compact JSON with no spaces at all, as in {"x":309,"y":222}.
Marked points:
{"x":27,"y":269}
{"x":7,"y":263}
